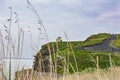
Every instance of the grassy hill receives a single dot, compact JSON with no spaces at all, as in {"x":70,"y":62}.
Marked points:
{"x":68,"y":57}
{"x":117,"y":41}
{"x":95,"y":39}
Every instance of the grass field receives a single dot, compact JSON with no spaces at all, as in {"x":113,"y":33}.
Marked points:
{"x":96,"y":39}
{"x":117,"y":41}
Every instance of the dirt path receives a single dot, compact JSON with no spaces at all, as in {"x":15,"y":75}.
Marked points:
{"x":105,"y":46}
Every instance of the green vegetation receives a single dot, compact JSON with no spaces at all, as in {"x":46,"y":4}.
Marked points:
{"x":96,"y":39}
{"x":117,"y":41}
{"x":68,"y":54}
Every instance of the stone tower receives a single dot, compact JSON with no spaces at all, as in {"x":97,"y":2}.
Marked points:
{"x":59,"y":39}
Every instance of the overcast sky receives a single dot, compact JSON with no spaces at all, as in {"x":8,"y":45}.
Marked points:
{"x":78,"y":18}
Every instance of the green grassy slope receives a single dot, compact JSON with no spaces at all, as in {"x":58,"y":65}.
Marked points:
{"x":96,"y":39}
{"x":117,"y":41}
{"x":68,"y":54}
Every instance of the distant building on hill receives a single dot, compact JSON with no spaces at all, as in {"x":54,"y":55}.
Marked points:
{"x":59,"y":39}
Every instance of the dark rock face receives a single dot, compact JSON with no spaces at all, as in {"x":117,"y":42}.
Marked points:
{"x":42,"y":65}
{"x":104,"y":46}
{"x":42,"y":62}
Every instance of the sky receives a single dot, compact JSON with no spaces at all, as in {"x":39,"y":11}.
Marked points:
{"x":77,"y":18}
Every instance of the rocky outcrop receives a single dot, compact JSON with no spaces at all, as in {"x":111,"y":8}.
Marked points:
{"x":42,"y":60}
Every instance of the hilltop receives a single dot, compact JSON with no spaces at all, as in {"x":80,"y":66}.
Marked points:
{"x":108,"y":44}
{"x":79,"y":55}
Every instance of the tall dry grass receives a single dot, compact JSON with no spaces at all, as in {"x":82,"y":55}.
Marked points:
{"x":109,"y":74}
{"x":8,"y":48}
